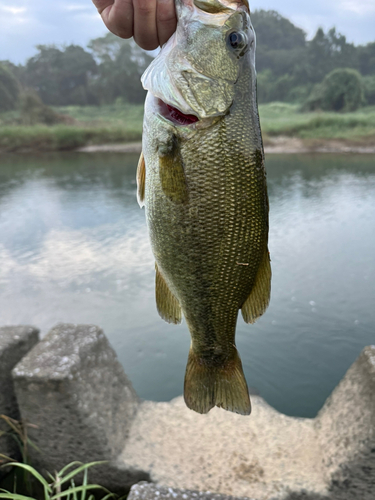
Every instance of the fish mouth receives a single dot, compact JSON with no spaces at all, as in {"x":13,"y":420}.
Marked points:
{"x":174,"y":115}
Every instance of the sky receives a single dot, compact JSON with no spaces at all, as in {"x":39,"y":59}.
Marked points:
{"x":27,"y":23}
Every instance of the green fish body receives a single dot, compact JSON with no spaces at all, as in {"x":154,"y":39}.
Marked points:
{"x":203,"y":183}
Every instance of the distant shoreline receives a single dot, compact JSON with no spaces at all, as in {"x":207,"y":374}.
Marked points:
{"x":274,"y":145}
{"x":118,"y":129}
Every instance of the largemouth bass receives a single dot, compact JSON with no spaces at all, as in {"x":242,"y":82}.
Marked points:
{"x":202,"y":180}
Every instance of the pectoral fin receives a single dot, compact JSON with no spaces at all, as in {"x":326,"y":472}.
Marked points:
{"x":258,"y":300}
{"x":141,"y":181}
{"x":172,"y":175}
{"x":167,"y":305}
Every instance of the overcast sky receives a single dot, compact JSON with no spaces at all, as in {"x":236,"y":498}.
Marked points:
{"x":27,"y":23}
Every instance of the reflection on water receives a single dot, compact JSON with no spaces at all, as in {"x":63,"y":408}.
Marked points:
{"x":74,"y":248}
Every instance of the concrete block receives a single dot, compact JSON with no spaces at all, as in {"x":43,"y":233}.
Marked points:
{"x":15,"y":342}
{"x":150,"y":491}
{"x":72,"y":386}
{"x":264,"y":456}
{"x":346,"y":429}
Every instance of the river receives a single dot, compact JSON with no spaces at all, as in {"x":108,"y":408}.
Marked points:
{"x":74,"y":248}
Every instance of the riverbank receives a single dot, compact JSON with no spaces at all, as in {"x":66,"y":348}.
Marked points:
{"x":274,"y":145}
{"x":118,"y":128}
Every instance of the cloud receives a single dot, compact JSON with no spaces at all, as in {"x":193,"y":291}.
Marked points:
{"x":75,"y":256}
{"x":76,"y":7}
{"x":28,"y":23}
{"x":13,"y":10}
{"x":66,"y":255}
{"x":361,"y":7}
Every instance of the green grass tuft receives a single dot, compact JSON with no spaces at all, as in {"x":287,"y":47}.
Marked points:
{"x":61,"y":485}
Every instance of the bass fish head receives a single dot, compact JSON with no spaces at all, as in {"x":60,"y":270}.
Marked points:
{"x":193,"y":79}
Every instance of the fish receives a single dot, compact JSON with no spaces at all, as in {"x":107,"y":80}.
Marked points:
{"x":202,"y":180}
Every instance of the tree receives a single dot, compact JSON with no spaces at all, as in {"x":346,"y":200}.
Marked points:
{"x":366,"y":58}
{"x":9,"y":89}
{"x":121,"y":64}
{"x":341,"y":90}
{"x":275,"y":32}
{"x":60,"y":76}
{"x":280,"y":44}
{"x":18,"y":71}
{"x":328,"y":51}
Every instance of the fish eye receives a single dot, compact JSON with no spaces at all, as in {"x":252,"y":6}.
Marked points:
{"x":237,"y":40}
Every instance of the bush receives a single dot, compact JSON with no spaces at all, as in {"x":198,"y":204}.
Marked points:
{"x":273,"y":88}
{"x":299,"y":94}
{"x":9,"y":89}
{"x":33,"y":110}
{"x":341,"y":90}
{"x":369,"y":89}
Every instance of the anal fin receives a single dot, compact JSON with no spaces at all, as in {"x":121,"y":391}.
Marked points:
{"x":257,"y":302}
{"x":141,"y":180}
{"x":166,"y":303}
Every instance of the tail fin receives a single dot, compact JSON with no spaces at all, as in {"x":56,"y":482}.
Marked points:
{"x":208,"y":386}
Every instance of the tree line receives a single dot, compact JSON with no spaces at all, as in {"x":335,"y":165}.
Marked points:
{"x":108,"y":69}
{"x":290,"y":68}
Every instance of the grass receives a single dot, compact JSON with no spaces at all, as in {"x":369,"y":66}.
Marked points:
{"x":63,"y":137}
{"x":61,"y":486}
{"x":120,"y":123}
{"x":285,"y":119}
{"x":27,"y":483}
{"x":89,"y":125}
{"x":114,"y":114}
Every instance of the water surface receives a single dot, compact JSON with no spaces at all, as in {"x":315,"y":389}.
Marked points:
{"x":74,"y":248}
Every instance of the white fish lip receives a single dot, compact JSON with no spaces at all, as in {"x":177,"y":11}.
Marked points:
{"x":158,"y":80}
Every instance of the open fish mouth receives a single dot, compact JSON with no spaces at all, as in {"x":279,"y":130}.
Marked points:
{"x":174,"y":115}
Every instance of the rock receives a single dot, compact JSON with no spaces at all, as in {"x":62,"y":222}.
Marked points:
{"x":149,"y":491}
{"x":263,"y":456}
{"x":15,"y":342}
{"x":346,"y":427}
{"x":73,"y":388}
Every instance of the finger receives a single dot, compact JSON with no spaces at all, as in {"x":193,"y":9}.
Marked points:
{"x":102,"y":4}
{"x":145,"y":31}
{"x":117,"y":16}
{"x":166,"y":20}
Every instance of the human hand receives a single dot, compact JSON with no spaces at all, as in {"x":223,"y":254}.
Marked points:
{"x":150,"y":22}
